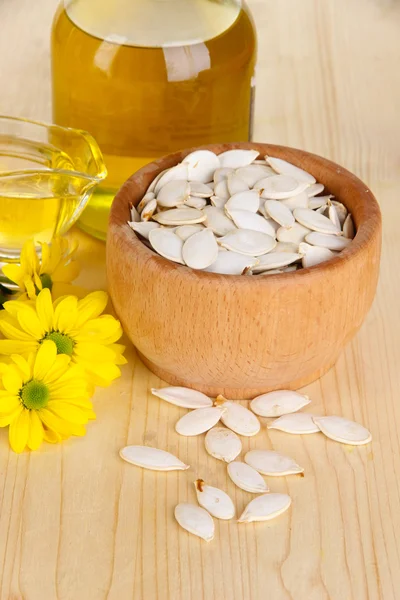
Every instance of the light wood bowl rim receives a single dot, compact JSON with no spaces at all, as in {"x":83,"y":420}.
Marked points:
{"x":365,"y":232}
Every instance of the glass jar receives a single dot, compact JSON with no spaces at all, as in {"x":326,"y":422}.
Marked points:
{"x":149,"y":77}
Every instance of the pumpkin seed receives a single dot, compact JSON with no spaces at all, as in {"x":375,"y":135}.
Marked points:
{"x":272,"y":463}
{"x":244,"y":219}
{"x":231,"y":263}
{"x":196,"y":202}
{"x":341,"y":211}
{"x":348,"y":227}
{"x":223,"y":444}
{"x":198,"y":421}
{"x":143,"y":228}
{"x":295,"y":234}
{"x":201,"y":165}
{"x":167,"y":244}
{"x":214,"y":500}
{"x":265,"y":507}
{"x":238,"y":418}
{"x":145,"y":200}
{"x":135,"y":216}
{"x":218,"y":202}
{"x":314,"y":189}
{"x":325,"y":240}
{"x":185,"y":231}
{"x":316,"y":222}
{"x":279,"y":187}
{"x":180,"y":216}
{"x":343,"y":430}
{"x":195,"y":520}
{"x":318,"y":202}
{"x":249,"y":200}
{"x":201,"y":190}
{"x":152,"y":458}
{"x":314,"y":255}
{"x":222,"y":173}
{"x":178,"y":172}
{"x":237,"y":158}
{"x":221,"y":189}
{"x":285,"y":168}
{"x":299,"y":201}
{"x":296,"y":423}
{"x":246,"y":241}
{"x":334,"y":217}
{"x":275,"y":260}
{"x":217,"y":221}
{"x":278,"y":403}
{"x":173,"y":193}
{"x":184,"y":397}
{"x":247,"y":478}
{"x":254,"y":173}
{"x":279,"y":213}
{"x":236,"y":184}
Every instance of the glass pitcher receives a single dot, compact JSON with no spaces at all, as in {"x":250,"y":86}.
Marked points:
{"x":149,"y":77}
{"x":47,"y":175}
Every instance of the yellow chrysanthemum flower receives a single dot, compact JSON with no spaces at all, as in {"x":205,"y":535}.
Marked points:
{"x":43,"y":398}
{"x":54,"y":270}
{"x":77,"y":327}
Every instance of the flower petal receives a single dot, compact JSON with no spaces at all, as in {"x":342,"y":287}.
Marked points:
{"x":19,"y":431}
{"x":64,"y":428}
{"x":58,"y":369}
{"x":29,"y":322}
{"x":94,"y":352}
{"x":23,"y":366}
{"x":36,"y":433}
{"x":44,"y":309}
{"x":103,"y":374}
{"x":65,"y":314}
{"x":9,"y":404}
{"x":12,"y":380}
{"x":6,"y":419}
{"x":91,"y":307}
{"x":45,"y":359}
{"x":8,"y":347}
{"x":51,"y":436}
{"x":13,"y":333}
{"x":105,"y":329}
{"x":68,"y":412}
{"x":66,"y":273}
{"x":14,"y":273}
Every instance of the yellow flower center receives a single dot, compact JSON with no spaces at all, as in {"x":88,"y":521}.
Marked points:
{"x":65,"y":344}
{"x":35,"y":395}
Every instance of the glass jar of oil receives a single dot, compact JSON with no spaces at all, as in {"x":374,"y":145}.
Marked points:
{"x":149,"y":77}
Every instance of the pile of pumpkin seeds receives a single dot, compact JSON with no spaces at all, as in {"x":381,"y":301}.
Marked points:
{"x":236,"y":213}
{"x":224,"y":444}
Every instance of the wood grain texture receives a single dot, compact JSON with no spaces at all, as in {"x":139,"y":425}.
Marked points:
{"x":76,"y":523}
{"x":243,"y":336}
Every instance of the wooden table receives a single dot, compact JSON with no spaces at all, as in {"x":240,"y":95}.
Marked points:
{"x":77,"y":523}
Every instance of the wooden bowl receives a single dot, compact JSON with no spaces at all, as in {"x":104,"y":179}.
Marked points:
{"x":236,"y":335}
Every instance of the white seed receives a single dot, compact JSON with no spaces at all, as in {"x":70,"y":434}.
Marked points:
{"x":201,"y":165}
{"x":237,"y":158}
{"x":265,"y":507}
{"x":201,"y":190}
{"x":217,"y":221}
{"x":348,"y":228}
{"x":180,"y":216}
{"x":221,"y":189}
{"x":152,"y":458}
{"x":343,"y":430}
{"x":135,"y":216}
{"x":333,"y":242}
{"x":315,"y":189}
{"x":295,"y":234}
{"x":195,"y":520}
{"x":275,"y":260}
{"x":278,"y":403}
{"x":249,"y":200}
{"x":200,"y":250}
{"x":272,"y":463}
{"x":196,"y":202}
{"x":238,"y":418}
{"x":247,"y":478}
{"x":198,"y":421}
{"x":314,"y":255}
{"x":286,"y":247}
{"x":341,"y":211}
{"x":173,"y":193}
{"x":152,"y":186}
{"x":223,"y":444}
{"x":214,"y":500}
{"x":318,"y":202}
{"x":254,"y":173}
{"x":185,"y":231}
{"x":246,"y":241}
{"x":184,"y":397}
{"x":145,"y":200}
{"x":299,"y":201}
{"x":178,"y":172}
{"x":279,"y":213}
{"x":279,"y":187}
{"x":231,"y":263}
{"x":316,"y":222}
{"x":218,"y":202}
{"x":296,"y":423}
{"x":222,"y":173}
{"x":334,"y":217}
{"x":167,"y":244}
{"x":244,"y":219}
{"x":149,"y":210}
{"x":236,"y":184}
{"x":286,"y":168}
{"x":143,"y":228}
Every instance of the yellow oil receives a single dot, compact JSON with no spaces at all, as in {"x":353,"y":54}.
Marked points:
{"x":149,"y":77}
